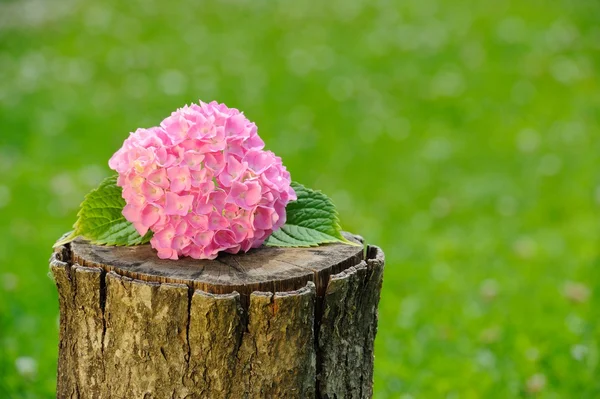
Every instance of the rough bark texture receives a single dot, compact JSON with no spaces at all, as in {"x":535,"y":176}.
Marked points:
{"x":134,"y":327}
{"x":145,"y":343}
{"x":348,"y":328}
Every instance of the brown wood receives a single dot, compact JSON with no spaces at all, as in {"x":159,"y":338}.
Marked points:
{"x":275,"y":322}
{"x":348,"y":329}
{"x":266,"y":269}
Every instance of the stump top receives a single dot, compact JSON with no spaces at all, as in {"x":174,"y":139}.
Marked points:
{"x":263,"y":269}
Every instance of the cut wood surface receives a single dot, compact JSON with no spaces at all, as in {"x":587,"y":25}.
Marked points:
{"x":275,"y":322}
{"x":266,"y":269}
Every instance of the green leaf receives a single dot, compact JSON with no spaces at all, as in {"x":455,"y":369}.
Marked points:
{"x":100,"y":220}
{"x":311,"y":220}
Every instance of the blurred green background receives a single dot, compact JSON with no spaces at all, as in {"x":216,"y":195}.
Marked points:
{"x":462,"y":137}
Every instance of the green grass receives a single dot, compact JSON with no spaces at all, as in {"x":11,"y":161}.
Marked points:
{"x":461,"y":137}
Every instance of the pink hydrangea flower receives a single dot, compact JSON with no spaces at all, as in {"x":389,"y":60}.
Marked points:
{"x":202,"y":183}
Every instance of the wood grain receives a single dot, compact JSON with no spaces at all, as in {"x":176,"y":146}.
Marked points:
{"x":265,"y":269}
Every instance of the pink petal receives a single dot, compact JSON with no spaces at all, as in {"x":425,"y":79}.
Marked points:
{"x":224,"y":239}
{"x":234,"y":249}
{"x":263,"y":218}
{"x":206,"y":188}
{"x":144,"y":164}
{"x":237,"y":191}
{"x":240,"y":231}
{"x":159,"y":178}
{"x":203,"y":238}
{"x":132,"y":213}
{"x":153,"y":137}
{"x":259,"y":237}
{"x":181,"y":228}
{"x":178,"y":204}
{"x":180,"y":242}
{"x":206,"y":126}
{"x":234,"y":147}
{"x":193,"y":251}
{"x":141,"y":228}
{"x":180,"y":178}
{"x":259,"y":161}
{"x":273,"y":179}
{"x":211,"y":251}
{"x":164,"y":158}
{"x":217,"y":221}
{"x":278,"y":218}
{"x":134,"y":182}
{"x":220,"y":115}
{"x":190,"y":144}
{"x":164,"y":238}
{"x":218,"y":198}
{"x":253,"y":195}
{"x":246,"y":245}
{"x":234,"y":166}
{"x":199,"y":222}
{"x":203,"y":206}
{"x":166,"y":253}
{"x":239,"y":194}
{"x":215,"y":162}
{"x":132,"y":197}
{"x":176,"y":127}
{"x":292,"y":194}
{"x":151,"y":192}
{"x":254,"y":142}
{"x":267,"y":198}
{"x":235,"y":125}
{"x":216,"y":145}
{"x":233,"y":171}
{"x":150,"y":215}
{"x":230,"y":211}
{"x":215,"y":142}
{"x":193,"y":159}
{"x":225,"y":179}
{"x":200,"y":177}
{"x":119,"y":161}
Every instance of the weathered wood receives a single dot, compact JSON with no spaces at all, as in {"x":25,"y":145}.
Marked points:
{"x":267,"y":269}
{"x":145,"y":346}
{"x":66,"y":379}
{"x":88,"y":321}
{"x":347,"y":330}
{"x":277,"y":356}
{"x":215,"y":334}
{"x":293,"y":323}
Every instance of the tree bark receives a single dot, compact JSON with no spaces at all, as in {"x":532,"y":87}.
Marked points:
{"x":289,"y":323}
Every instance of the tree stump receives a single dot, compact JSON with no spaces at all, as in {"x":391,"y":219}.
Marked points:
{"x":275,"y":322}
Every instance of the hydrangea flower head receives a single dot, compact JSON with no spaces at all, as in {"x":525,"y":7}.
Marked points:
{"x":202,"y":183}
